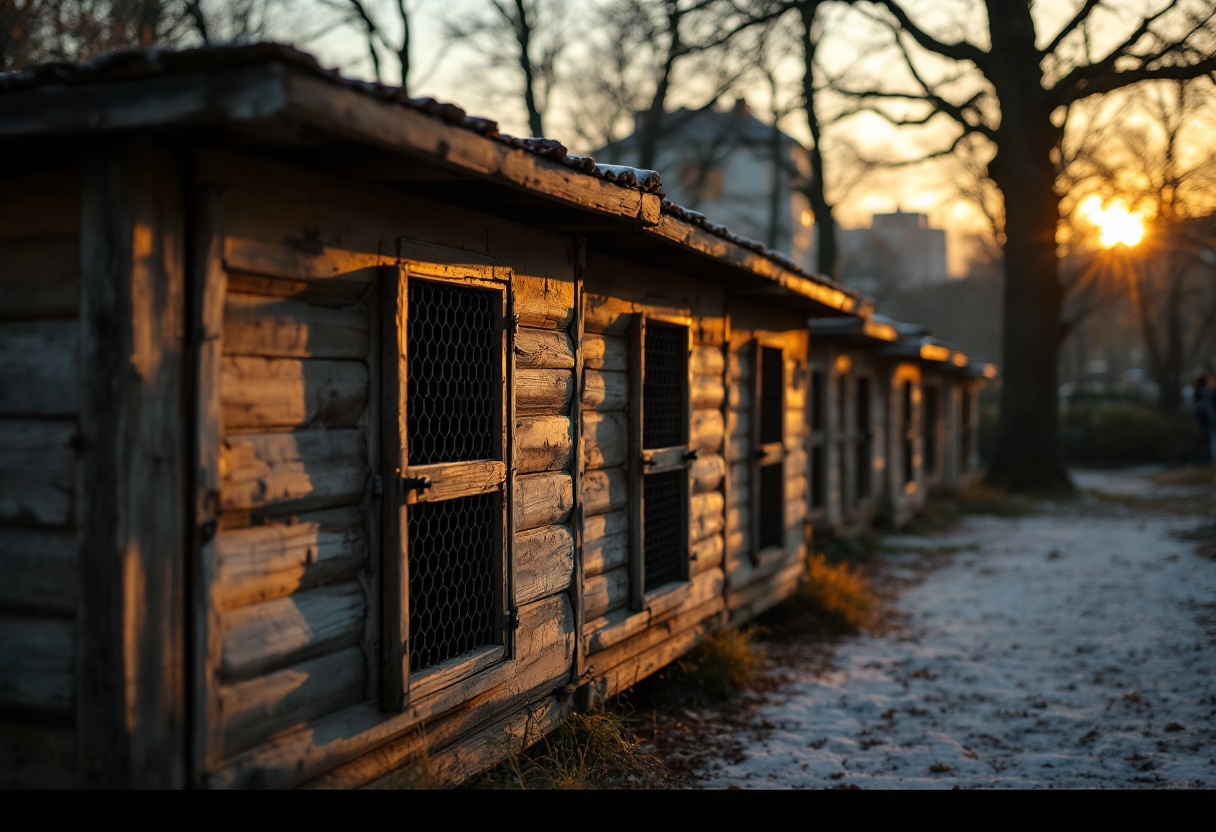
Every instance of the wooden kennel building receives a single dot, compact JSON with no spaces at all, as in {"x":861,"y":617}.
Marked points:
{"x":337,"y":427}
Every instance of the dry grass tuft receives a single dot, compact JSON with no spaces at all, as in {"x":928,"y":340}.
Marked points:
{"x":839,"y":594}
{"x":593,"y":750}
{"x":723,"y":665}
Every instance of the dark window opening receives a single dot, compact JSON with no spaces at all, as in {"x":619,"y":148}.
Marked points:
{"x":817,"y":409}
{"x":452,"y":551}
{"x":452,"y":387}
{"x":965,"y":435}
{"x":930,"y":441}
{"x":665,"y":386}
{"x":842,"y":403}
{"x":664,"y":521}
{"x":772,"y":506}
{"x":818,"y":477}
{"x":864,"y":440}
{"x":909,"y":443}
{"x":772,"y":395}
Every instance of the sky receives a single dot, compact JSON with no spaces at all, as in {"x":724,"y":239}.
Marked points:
{"x":453,"y":73}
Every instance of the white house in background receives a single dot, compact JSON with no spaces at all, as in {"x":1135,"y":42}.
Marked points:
{"x":734,"y":167}
{"x":897,"y":251}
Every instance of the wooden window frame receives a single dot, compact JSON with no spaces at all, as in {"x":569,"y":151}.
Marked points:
{"x":931,"y":467}
{"x":863,"y":437}
{"x":403,"y":485}
{"x":644,"y":461}
{"x":763,"y":454}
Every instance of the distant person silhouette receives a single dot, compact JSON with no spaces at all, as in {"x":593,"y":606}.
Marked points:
{"x":1203,"y":403}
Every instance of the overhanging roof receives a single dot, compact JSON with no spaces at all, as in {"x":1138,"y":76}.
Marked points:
{"x":272,"y":99}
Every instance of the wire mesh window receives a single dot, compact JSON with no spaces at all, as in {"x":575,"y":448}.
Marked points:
{"x":909,"y":445}
{"x":453,"y":548}
{"x":930,"y":441}
{"x":818,"y":477}
{"x":664,"y":386}
{"x":772,"y":506}
{"x":817,"y":400}
{"x":453,"y":387}
{"x":665,"y":525}
{"x":772,"y":394}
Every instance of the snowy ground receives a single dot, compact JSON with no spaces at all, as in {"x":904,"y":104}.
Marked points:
{"x":1075,"y":648}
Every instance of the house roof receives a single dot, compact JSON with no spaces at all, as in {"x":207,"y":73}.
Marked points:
{"x":711,"y":124}
{"x":264,"y":96}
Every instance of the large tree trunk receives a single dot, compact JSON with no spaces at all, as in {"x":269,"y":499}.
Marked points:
{"x":1028,"y":455}
{"x":825,"y":223}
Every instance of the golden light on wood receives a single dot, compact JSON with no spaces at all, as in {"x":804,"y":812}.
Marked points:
{"x":960,"y":359}
{"x":934,"y":352}
{"x":843,"y":364}
{"x":1116,"y":225}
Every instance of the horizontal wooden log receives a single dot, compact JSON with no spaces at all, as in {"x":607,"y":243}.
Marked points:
{"x":710,"y":331}
{"x":706,"y":515}
{"x":264,"y":637}
{"x":605,"y":553}
{"x":544,"y":563}
{"x":261,"y":394}
{"x":708,"y":431}
{"x":542,"y":302}
{"x":707,"y":473}
{"x":795,"y":427}
{"x":708,"y":393}
{"x":602,"y":662}
{"x":487,"y":747}
{"x":543,"y":349}
{"x":605,"y":593}
{"x":605,"y":491}
{"x":738,"y":543}
{"x":708,"y":361}
{"x":605,"y":391}
{"x":37,"y":663}
{"x":276,"y":559}
{"x":305,"y":470}
{"x":605,"y":353}
{"x":278,"y":327}
{"x":543,"y":392}
{"x":543,"y":659}
{"x":605,"y":542}
{"x":607,"y":316}
{"x":333,"y":278}
{"x":542,"y":443}
{"x":38,"y":476}
{"x":605,"y":439}
{"x":37,"y":757}
{"x":253,"y":712}
{"x":706,"y":554}
{"x":763,"y":595}
{"x":38,"y":368}
{"x":633,"y":670}
{"x":41,"y":275}
{"x":542,"y":500}
{"x":38,"y":570}
{"x":796,"y":463}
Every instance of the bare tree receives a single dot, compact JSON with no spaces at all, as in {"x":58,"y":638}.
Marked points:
{"x":1009,"y":83}
{"x":388,"y":31}
{"x":527,"y":37}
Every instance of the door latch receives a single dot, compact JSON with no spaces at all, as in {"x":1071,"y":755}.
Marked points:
{"x":415,"y":483}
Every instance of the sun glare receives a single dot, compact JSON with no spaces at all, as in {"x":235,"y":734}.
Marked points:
{"x":1117,"y":226}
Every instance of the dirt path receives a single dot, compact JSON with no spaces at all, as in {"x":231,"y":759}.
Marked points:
{"x":1074,"y":648}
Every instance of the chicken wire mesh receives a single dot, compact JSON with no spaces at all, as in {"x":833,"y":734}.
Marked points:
{"x":772,"y":398}
{"x":772,"y":506}
{"x":664,"y":388}
{"x":452,"y":554}
{"x":453,"y":372}
{"x":664,"y":527}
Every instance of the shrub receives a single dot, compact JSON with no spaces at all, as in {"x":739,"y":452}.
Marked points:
{"x":593,"y":750}
{"x":722,"y":666}
{"x":1106,"y":432}
{"x":839,"y":594}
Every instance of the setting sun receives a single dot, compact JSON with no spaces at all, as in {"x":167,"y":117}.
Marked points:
{"x":1115,"y":223}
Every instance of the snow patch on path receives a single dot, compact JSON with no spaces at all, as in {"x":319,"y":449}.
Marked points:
{"x":1065,"y":651}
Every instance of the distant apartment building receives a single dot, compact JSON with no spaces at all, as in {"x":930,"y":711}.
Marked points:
{"x":731,"y":165}
{"x":898,"y":251}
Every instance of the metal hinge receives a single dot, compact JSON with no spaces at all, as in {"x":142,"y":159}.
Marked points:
{"x":513,"y":619}
{"x":377,"y":487}
{"x":415,"y":484}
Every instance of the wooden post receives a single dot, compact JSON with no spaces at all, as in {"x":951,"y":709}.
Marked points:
{"x":132,"y":486}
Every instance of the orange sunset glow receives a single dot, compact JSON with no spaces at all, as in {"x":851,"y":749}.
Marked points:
{"x":1115,"y":224}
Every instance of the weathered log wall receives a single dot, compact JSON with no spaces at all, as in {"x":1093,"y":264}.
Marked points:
{"x":758,"y":579}
{"x":622,"y":644}
{"x":39,"y":409}
{"x":292,"y":624}
{"x":905,"y":497}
